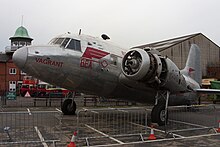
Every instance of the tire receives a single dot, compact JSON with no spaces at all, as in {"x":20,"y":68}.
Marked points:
{"x":66,"y":107}
{"x":34,"y":94}
{"x":158,"y":114}
{"x":23,"y":94}
{"x":42,"y":94}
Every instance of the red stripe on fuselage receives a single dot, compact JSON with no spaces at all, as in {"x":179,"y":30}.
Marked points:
{"x":94,"y":53}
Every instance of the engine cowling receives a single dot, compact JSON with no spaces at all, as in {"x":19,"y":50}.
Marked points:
{"x":142,"y":65}
{"x":146,"y":66}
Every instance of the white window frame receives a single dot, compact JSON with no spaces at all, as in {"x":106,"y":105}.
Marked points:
{"x":12,"y":71}
{"x":22,"y":43}
{"x":23,"y":73}
{"x":12,"y":86}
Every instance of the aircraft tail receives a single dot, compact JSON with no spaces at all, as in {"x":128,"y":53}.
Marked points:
{"x":193,"y":66}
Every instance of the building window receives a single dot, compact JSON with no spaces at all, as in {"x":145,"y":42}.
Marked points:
{"x":23,"y":73}
{"x":22,"y":43}
{"x":12,"y":86}
{"x":12,"y":71}
{"x":15,"y":43}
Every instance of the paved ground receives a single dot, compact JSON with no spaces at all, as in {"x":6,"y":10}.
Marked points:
{"x":50,"y":125}
{"x":213,"y":141}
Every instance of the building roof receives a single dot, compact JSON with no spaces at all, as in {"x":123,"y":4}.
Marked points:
{"x":162,"y":45}
{"x":4,"y":58}
{"x":21,"y":32}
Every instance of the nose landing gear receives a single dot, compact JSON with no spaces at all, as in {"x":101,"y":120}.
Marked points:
{"x":69,"y":106}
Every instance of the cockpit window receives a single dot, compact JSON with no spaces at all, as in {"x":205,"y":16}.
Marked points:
{"x":52,"y":41}
{"x":58,"y":41}
{"x":74,"y":45}
{"x":64,"y":43}
{"x":67,"y":43}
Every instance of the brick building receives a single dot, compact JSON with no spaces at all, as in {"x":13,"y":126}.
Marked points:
{"x":10,"y":76}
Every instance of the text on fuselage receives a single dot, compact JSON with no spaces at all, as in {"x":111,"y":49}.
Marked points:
{"x":49,"y":62}
{"x":90,"y":54}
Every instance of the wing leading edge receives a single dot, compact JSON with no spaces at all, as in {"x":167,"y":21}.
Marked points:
{"x":208,"y":91}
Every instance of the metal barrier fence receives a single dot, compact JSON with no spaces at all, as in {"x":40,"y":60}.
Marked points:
{"x":30,"y":102}
{"x":110,"y":122}
{"x":1,"y":103}
{"x":191,"y":119}
{"x":29,"y":127}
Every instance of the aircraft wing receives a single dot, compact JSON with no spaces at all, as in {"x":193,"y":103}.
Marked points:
{"x":208,"y":91}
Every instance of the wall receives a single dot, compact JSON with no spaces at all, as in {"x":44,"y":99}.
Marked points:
{"x":2,"y":76}
{"x":5,"y":75}
{"x":209,"y":52}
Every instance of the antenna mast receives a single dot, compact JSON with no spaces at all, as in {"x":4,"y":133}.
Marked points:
{"x":22,"y":19}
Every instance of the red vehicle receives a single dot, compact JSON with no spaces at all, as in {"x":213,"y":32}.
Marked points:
{"x":41,"y":89}
{"x":27,"y":88}
{"x":28,"y":84}
{"x":47,"y":90}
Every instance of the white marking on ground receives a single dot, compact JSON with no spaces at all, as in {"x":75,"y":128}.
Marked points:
{"x":158,"y":140}
{"x":29,"y":112}
{"x":177,"y":135}
{"x":85,"y":109}
{"x":58,"y":110}
{"x":149,"y":109}
{"x":120,"y":142}
{"x":41,"y":137}
{"x":186,"y":123}
{"x":95,"y":112}
{"x":123,"y":111}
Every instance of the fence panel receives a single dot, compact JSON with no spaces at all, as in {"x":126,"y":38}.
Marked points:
{"x":24,"y":127}
{"x":111,"y":122}
{"x":191,"y":118}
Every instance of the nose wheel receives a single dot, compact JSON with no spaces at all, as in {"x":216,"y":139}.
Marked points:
{"x":68,"y":107}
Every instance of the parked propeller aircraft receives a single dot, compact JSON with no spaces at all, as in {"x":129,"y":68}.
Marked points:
{"x":96,"y":66}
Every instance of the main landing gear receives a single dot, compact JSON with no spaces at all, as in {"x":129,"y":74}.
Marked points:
{"x":69,"y":106}
{"x":159,"y":113}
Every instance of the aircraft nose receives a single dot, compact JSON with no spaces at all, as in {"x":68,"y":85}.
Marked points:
{"x":20,"y":57}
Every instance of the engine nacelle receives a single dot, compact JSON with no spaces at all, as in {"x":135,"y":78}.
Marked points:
{"x":147,"y":67}
{"x":141,"y":65}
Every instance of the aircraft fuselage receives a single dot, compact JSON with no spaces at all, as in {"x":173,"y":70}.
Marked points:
{"x":94,"y":66}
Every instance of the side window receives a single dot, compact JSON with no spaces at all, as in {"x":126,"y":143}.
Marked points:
{"x":74,"y":45}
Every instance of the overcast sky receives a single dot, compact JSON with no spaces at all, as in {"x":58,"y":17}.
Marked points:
{"x":127,"y":22}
